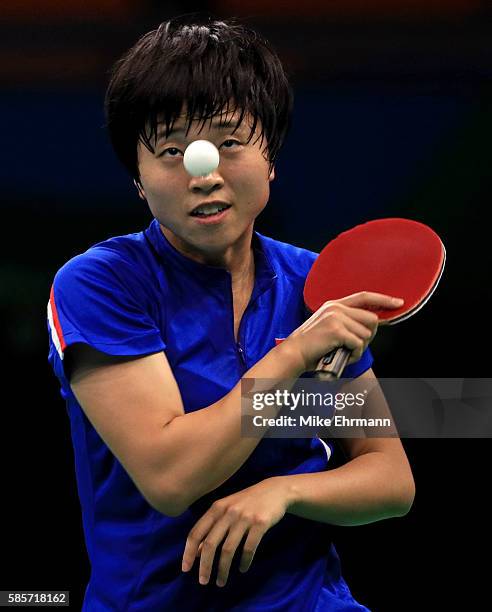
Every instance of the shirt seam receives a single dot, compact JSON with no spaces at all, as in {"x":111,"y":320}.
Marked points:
{"x":80,"y":335}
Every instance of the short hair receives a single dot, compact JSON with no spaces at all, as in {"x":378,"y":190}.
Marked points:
{"x":207,"y":64}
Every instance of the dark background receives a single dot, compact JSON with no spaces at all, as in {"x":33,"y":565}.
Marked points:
{"x":392,"y":118}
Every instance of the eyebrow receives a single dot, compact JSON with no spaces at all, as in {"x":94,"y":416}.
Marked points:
{"x":217,"y":125}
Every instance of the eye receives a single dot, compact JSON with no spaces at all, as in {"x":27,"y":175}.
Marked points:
{"x":229,"y":144}
{"x":171,"y":152}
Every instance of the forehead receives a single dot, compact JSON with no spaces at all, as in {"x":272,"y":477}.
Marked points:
{"x":223,"y":121}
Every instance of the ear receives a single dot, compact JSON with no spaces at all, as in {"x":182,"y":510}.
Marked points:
{"x":140,"y":189}
{"x":271,"y":176}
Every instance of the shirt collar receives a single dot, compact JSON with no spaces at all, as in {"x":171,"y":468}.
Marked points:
{"x":265,"y":273}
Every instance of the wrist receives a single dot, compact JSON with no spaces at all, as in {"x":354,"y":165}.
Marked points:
{"x":291,"y":357}
{"x":289,"y":489}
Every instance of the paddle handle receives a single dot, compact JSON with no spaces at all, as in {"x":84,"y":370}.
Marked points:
{"x":331,"y":366}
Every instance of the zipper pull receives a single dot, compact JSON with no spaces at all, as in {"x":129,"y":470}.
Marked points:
{"x":241,"y":353}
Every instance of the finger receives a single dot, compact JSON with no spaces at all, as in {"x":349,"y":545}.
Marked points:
{"x":249,"y":549}
{"x":195,"y":539}
{"x":344,"y":331}
{"x":229,"y":548}
{"x":356,"y":353}
{"x":364,"y":317}
{"x":370,"y":299}
{"x":339,"y":332}
{"x":210,"y":545}
{"x":364,"y":332}
{"x":352,"y":342}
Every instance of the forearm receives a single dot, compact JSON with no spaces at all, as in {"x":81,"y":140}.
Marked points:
{"x":206,"y":446}
{"x":366,"y":489}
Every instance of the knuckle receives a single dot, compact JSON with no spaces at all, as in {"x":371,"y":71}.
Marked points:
{"x":233,"y":512}
{"x":218,"y":505}
{"x":193,"y":537}
{"x":334,"y":325}
{"x":228,"y":549}
{"x":332,"y":307}
{"x":259,"y":519}
{"x":194,"y":540}
{"x":208,"y":544}
{"x":355,"y":343}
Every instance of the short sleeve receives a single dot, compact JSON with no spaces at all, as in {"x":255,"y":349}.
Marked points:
{"x":95,"y":299}
{"x":359,"y":367}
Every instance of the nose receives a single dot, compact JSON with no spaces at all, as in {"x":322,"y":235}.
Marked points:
{"x":206,"y":184}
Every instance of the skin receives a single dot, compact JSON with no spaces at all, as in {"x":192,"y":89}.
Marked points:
{"x":376,"y":483}
{"x":251,"y":512}
{"x":243,"y":180}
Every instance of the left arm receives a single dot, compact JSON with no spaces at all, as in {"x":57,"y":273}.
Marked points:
{"x":376,"y":483}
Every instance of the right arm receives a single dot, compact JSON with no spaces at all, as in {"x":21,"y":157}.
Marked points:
{"x":136,"y":407}
{"x":175,"y":458}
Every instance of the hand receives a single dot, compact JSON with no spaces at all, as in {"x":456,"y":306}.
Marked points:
{"x":253,"y":511}
{"x":346,"y":322}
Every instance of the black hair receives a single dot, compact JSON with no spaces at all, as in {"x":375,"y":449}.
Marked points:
{"x":213,"y":67}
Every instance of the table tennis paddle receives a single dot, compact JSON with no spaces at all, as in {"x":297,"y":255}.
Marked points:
{"x":397,"y":257}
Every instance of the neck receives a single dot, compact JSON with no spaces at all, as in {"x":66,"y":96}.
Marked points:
{"x":243,"y":276}
{"x":237,"y":258}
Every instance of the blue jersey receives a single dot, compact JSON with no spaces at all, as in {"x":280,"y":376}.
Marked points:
{"x":136,"y":295}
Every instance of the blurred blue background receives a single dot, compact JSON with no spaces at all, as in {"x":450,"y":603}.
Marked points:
{"x":392,"y":118}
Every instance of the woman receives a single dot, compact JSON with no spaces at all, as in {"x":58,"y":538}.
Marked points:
{"x":151,"y":334}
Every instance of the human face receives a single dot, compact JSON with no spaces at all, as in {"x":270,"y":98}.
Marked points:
{"x":241,"y":180}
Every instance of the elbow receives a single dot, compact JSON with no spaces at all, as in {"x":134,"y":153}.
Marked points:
{"x":172,"y":505}
{"x":168,"y":503}
{"x":406,"y":497}
{"x":171,"y":508}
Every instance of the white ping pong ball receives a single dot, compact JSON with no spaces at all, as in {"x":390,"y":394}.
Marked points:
{"x":201,"y":157}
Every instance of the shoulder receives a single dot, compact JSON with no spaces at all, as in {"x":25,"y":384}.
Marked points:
{"x":107,"y":298}
{"x":121,"y":260}
{"x":287,"y":258}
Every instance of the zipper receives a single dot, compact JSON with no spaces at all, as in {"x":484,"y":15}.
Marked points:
{"x":239,"y":349}
{"x":242,"y":356}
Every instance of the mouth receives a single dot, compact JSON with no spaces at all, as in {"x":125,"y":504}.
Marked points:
{"x":208,"y":210}
{"x":211,"y":218}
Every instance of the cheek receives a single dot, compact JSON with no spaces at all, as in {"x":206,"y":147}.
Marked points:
{"x":157,"y":184}
{"x":161,"y":196}
{"x":253,"y":187}
{"x":259,"y":194}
